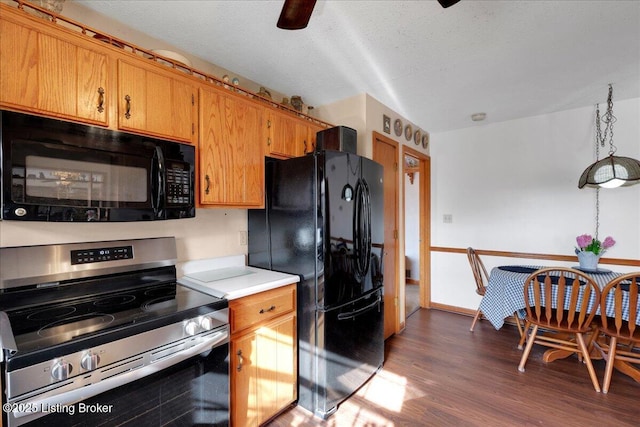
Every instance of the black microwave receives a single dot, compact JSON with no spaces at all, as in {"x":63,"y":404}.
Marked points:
{"x":54,"y":170}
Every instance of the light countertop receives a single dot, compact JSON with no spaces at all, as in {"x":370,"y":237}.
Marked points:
{"x":230,"y":278}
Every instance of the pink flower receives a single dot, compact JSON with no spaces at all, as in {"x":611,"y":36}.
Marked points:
{"x":608,"y":242}
{"x":584,"y":240}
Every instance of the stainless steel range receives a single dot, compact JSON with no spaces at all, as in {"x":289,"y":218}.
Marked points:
{"x":100,"y":333}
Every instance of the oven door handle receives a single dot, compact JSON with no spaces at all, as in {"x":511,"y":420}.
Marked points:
{"x":33,"y":406}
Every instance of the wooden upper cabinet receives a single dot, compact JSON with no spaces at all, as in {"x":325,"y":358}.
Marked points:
{"x":231,"y":158}
{"x":155,"y":102}
{"x":288,"y":135}
{"x":47,"y":74}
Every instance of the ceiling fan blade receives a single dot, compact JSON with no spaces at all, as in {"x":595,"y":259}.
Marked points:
{"x":295,"y":14}
{"x":447,"y":3}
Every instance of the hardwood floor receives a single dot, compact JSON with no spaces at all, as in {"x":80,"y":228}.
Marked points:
{"x":437,"y":373}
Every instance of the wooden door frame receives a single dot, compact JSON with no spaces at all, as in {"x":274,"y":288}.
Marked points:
{"x":378,"y":136}
{"x":425,"y":221}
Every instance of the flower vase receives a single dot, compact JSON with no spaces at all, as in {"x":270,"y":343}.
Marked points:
{"x":588,"y":260}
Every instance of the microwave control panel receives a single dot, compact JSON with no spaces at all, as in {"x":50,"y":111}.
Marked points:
{"x":178,"y":183}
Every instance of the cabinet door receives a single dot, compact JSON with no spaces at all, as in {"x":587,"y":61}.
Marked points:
{"x":231,"y":159}
{"x":277,"y":364}
{"x":155,"y":102}
{"x":313,"y":130}
{"x":244,"y":382}
{"x":282,"y":134}
{"x":288,"y":136}
{"x":263,"y":371}
{"x":50,"y":75}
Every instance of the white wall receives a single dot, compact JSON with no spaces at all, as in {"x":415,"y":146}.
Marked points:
{"x":212,"y":233}
{"x":513,"y":186}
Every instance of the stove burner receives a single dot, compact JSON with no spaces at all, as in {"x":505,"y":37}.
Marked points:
{"x":79,"y":324}
{"x":159,"y":303}
{"x":51,"y":313}
{"x":114,"y":300}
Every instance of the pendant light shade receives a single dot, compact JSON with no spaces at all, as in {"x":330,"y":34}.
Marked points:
{"x":610,"y":172}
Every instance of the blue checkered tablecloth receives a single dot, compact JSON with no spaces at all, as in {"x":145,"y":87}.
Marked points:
{"x":505,"y":292}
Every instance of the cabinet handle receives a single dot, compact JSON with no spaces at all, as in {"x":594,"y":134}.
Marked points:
{"x":240,"y":360}
{"x":208,"y":181}
{"x":262,"y":310}
{"x":268,"y":141}
{"x":269,"y":124}
{"x":100,"y":100}
{"x":127,"y":113}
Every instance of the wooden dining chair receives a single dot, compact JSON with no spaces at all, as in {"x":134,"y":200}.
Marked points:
{"x":482,"y":278}
{"x":578,"y":298}
{"x":620,"y":296}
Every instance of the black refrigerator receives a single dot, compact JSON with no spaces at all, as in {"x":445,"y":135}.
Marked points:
{"x":323,"y":221}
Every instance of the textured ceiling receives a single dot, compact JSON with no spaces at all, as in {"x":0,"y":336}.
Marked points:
{"x":433,"y":66}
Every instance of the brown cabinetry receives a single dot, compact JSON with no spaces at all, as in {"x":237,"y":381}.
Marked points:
{"x":154,"y":101}
{"x":46,"y":73}
{"x":288,"y":135}
{"x":231,"y":159}
{"x":263,"y":355}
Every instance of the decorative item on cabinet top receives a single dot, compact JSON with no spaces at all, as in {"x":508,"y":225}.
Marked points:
{"x":54,"y":6}
{"x":417,"y":135}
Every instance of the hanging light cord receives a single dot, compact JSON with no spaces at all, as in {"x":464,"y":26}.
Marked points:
{"x":609,"y":119}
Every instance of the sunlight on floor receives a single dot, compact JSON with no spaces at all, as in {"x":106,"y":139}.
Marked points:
{"x":386,"y":390}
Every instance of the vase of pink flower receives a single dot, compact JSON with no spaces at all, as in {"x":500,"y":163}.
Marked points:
{"x":589,"y":250}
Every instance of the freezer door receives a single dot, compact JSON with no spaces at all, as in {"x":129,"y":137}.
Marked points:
{"x":350,"y":350}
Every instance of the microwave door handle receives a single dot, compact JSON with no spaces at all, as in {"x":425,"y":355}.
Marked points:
{"x":158,"y":193}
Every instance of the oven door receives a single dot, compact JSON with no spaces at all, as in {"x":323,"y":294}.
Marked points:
{"x":194,"y":391}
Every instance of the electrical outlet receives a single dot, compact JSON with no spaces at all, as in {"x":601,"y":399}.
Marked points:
{"x":243,"y":238}
{"x":447,"y":218}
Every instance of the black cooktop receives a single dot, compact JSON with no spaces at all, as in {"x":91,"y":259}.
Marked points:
{"x":80,"y":315}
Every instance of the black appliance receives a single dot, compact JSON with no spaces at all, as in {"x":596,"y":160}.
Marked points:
{"x":61,"y":171}
{"x":100,"y":333}
{"x":340,"y":138}
{"x":323,"y":220}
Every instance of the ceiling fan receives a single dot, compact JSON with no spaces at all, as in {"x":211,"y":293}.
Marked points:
{"x":295,"y":14}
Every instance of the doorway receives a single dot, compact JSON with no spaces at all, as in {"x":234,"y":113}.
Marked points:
{"x":385,"y":152}
{"x":416,"y":199}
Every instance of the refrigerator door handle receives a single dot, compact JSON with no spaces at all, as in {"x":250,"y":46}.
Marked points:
{"x":355,"y":313}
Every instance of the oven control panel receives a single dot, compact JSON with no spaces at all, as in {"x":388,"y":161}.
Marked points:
{"x":87,"y":256}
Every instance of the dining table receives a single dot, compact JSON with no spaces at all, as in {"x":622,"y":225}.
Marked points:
{"x":504,"y":297}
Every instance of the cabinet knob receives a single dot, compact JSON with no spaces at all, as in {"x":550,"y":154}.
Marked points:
{"x":262,"y":310}
{"x":208,"y":181}
{"x":240,"y":360}
{"x":269,"y":124}
{"x":127,"y":113}
{"x":100,"y":100}
{"x":268,"y":141}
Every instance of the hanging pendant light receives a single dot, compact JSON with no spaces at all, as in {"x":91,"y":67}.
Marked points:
{"x":612,"y":171}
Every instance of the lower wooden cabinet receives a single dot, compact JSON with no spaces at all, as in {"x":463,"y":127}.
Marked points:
{"x":263,"y":355}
